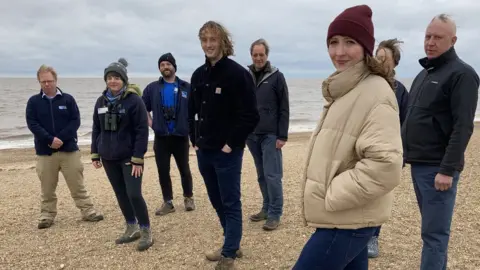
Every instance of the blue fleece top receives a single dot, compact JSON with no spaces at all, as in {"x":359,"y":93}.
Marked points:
{"x":168,"y":99}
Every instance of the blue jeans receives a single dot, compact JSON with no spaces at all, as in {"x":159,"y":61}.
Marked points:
{"x":336,"y":249}
{"x":221,"y":174}
{"x":268,"y":162}
{"x":436,"y":210}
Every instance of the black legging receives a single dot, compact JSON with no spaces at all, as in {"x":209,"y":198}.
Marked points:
{"x":128,"y":191}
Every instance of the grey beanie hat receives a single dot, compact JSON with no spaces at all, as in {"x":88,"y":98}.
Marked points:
{"x":119,"y":67}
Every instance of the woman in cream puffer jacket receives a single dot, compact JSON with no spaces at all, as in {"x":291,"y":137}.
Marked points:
{"x":354,"y":158}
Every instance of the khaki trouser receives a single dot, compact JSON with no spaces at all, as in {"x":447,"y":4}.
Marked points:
{"x":71,"y":166}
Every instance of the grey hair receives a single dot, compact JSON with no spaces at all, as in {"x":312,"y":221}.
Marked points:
{"x":443,"y":17}
{"x":260,"y":41}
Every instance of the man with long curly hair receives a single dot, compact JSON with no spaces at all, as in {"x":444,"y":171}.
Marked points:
{"x":222,"y":112}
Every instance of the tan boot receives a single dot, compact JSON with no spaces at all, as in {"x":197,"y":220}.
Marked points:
{"x":225,"y":264}
{"x":216,"y":255}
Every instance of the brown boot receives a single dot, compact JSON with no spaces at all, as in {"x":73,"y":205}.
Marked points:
{"x":259,"y":216}
{"x":94,"y":217}
{"x":166,"y":208}
{"x":216,"y":255}
{"x":225,"y":264}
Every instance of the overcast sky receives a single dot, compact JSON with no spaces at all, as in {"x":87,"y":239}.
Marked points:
{"x":80,"y":38}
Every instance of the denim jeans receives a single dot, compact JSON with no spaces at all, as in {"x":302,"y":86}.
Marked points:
{"x":268,"y":162}
{"x":336,"y":249}
{"x":436,"y":210}
{"x":221,"y":173}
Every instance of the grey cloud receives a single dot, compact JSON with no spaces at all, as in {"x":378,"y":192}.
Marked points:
{"x":82,"y":37}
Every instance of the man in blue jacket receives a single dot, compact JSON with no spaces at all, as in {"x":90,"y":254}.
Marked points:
{"x":53,"y":117}
{"x":167,"y":98}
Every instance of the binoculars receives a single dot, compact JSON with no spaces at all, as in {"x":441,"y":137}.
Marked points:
{"x":169,"y":113}
{"x":111,"y":121}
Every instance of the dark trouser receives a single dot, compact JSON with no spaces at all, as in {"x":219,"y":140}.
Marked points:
{"x":128,"y":191}
{"x":377,"y":231}
{"x":268,"y":161}
{"x":436,"y":210}
{"x":336,"y":249}
{"x":222,"y":173}
{"x":164,"y":147}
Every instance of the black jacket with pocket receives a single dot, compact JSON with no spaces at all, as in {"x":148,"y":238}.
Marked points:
{"x":441,"y":110}
{"x":130,"y":140}
{"x":273,"y":103}
{"x":222,"y":106}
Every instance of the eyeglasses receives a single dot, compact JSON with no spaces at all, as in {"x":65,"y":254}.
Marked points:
{"x":49,"y":82}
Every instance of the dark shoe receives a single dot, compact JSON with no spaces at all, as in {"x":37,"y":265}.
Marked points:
{"x":146,"y":239}
{"x":216,"y":255}
{"x":166,"y":208}
{"x":45,"y":223}
{"x":373,"y":247}
{"x":225,"y":264}
{"x":271,"y":224}
{"x":132,"y":233}
{"x":93,"y":217}
{"x":189,"y":204}
{"x":259,"y":216}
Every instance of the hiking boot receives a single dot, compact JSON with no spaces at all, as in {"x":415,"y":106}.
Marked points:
{"x":132,"y":233}
{"x":146,"y":239}
{"x":225,"y":264}
{"x":217,"y":255}
{"x":259,"y":216}
{"x":94,"y":217}
{"x":45,"y":223}
{"x":373,"y":247}
{"x":189,"y":204}
{"x":271,"y":224}
{"x":167,"y":208}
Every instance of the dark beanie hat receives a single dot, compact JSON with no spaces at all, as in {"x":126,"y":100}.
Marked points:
{"x":169,"y":58}
{"x":355,"y":22}
{"x":120,"y":68}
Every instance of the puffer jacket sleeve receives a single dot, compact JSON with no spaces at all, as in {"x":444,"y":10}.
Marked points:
{"x":379,"y":170}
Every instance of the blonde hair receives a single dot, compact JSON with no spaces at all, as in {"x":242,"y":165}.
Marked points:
{"x":378,"y":68}
{"x":44,"y":68}
{"x":226,"y":42}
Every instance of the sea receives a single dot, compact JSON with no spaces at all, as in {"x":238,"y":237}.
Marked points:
{"x":306,"y":103}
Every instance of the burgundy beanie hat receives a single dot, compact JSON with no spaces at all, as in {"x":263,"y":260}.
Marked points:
{"x":355,"y":22}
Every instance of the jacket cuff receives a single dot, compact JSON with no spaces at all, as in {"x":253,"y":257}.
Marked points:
{"x":137,"y":161}
{"x":282,"y":138}
{"x":95,"y":157}
{"x":446,"y":171}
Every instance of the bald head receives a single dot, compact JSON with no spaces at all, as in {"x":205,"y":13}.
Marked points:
{"x":440,"y":35}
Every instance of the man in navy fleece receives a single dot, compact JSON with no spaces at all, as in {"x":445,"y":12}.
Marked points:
{"x":167,"y":98}
{"x":53,"y":117}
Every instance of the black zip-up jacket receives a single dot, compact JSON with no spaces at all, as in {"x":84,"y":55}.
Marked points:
{"x":222,"y":106}
{"x":130,"y":141}
{"x":48,"y":118}
{"x":402,"y":99}
{"x":152,"y":97}
{"x":272,"y":101}
{"x":441,"y":110}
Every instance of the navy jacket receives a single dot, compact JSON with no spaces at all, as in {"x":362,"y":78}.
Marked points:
{"x":130,"y":141}
{"x":441,"y":110}
{"x":48,"y":118}
{"x":402,"y":98}
{"x":222,"y":107}
{"x":152,"y":97}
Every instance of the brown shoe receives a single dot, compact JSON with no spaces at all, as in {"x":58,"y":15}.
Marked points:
{"x":216,"y":255}
{"x":225,"y":264}
{"x":259,"y":216}
{"x":166,"y":208}
{"x":45,"y":223}
{"x":94,"y":217}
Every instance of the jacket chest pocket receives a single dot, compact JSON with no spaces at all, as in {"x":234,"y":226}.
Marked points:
{"x":217,"y":99}
{"x":433,"y":95}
